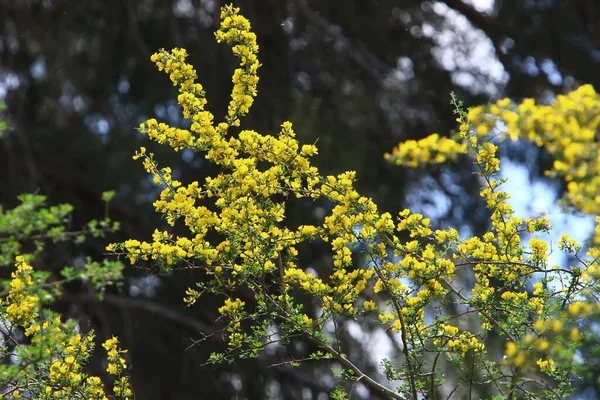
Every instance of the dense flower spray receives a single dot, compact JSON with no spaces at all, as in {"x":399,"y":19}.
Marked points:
{"x":237,"y":234}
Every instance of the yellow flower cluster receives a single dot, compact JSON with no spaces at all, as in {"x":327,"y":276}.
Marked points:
{"x":539,"y":249}
{"x":566,"y":129}
{"x":451,"y":340}
{"x":415,"y":224}
{"x":546,"y":365}
{"x":348,"y":286}
{"x":579,"y":308}
{"x":539,"y":343}
{"x":464,"y":343}
{"x":308,"y":282}
{"x":431,"y":150}
{"x":57,"y":349}
{"x":203,"y":134}
{"x":519,"y":354}
{"x":513,"y":354}
{"x":23,"y":308}
{"x":248,"y":218}
{"x":486,"y":157}
{"x":164,"y":247}
{"x":555,"y":330}
{"x":116,"y":366}
{"x":238,"y":233}
{"x":231,"y":307}
{"x":499,"y":256}
{"x":66,"y":372}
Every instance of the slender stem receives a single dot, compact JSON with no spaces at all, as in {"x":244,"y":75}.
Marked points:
{"x":44,"y":285}
{"x":449,"y":286}
{"x":433,"y":367}
{"x":286,"y":305}
{"x":513,"y":387}
{"x":367,"y":380}
{"x":286,"y":315}
{"x":41,"y":236}
{"x":403,"y":329}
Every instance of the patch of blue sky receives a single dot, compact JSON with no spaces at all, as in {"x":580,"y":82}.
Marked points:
{"x":531,"y":197}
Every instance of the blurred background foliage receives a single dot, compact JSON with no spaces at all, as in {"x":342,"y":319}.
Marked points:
{"x":355,"y":76}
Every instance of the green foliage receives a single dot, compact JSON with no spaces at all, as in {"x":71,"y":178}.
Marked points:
{"x":42,"y":355}
{"x":33,"y":224}
{"x":3,"y":125}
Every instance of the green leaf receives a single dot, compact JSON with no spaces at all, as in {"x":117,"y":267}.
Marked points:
{"x":108,"y":195}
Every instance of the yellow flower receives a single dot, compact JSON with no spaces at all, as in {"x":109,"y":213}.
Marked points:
{"x":370,"y":305}
{"x":546,"y":365}
{"x":511,"y":349}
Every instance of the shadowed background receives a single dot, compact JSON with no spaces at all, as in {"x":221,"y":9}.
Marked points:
{"x":356,"y":77}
